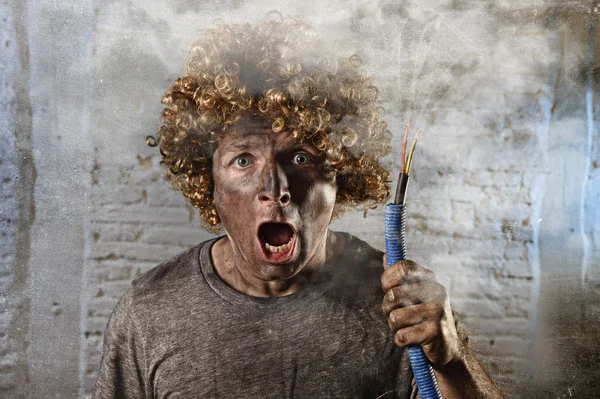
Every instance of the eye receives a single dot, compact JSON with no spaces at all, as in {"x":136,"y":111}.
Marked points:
{"x":242,"y":161}
{"x":302,"y":158}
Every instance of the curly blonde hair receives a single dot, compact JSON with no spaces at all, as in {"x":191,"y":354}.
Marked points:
{"x":278,"y":68}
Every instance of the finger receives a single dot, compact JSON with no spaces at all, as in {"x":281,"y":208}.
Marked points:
{"x":412,"y":315}
{"x":412,"y":294}
{"x":399,"y":297}
{"x":396,"y":273}
{"x":403,"y":271}
{"x":418,"y":334}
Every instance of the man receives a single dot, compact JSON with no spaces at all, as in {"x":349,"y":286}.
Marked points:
{"x":272,"y":137}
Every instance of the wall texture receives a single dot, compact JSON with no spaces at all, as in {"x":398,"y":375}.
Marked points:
{"x":17,"y":208}
{"x":503,"y":198}
{"x":568,"y":304}
{"x":9,"y":211}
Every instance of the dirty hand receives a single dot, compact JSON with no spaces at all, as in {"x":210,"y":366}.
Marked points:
{"x":419,"y":311}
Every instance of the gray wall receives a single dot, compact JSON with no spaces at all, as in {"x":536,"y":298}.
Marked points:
{"x":504,"y":195}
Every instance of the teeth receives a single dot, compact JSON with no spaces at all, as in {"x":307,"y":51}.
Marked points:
{"x":281,"y":248}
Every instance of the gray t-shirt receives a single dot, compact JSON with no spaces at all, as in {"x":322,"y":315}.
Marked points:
{"x":181,"y":332}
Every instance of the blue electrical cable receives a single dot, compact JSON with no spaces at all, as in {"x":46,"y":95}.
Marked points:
{"x":395,"y":249}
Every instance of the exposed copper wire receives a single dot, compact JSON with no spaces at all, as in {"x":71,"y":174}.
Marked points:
{"x":410,"y":154}
{"x":406,"y":129}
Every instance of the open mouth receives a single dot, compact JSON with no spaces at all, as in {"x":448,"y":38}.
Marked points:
{"x":277,"y":241}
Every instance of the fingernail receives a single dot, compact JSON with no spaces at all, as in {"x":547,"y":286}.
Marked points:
{"x":391,"y":295}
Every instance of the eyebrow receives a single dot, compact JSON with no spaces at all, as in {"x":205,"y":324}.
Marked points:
{"x":239,"y":147}
{"x":244,"y":146}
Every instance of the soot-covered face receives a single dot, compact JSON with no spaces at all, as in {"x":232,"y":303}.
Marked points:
{"x":275,"y":198}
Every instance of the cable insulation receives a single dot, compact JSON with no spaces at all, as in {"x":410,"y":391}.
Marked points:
{"x":396,"y":251}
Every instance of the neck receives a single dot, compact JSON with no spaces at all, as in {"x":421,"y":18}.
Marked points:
{"x":233,"y":270}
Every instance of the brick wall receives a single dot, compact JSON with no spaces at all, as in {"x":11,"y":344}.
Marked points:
{"x":478,"y":179}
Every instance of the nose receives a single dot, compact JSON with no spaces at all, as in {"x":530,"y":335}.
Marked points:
{"x":275,"y":185}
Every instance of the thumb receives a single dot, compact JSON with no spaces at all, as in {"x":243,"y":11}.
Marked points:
{"x":384,"y":261}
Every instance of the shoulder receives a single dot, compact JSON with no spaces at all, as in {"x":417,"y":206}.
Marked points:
{"x":358,"y":251}
{"x":364,"y":248}
{"x":361,"y":266}
{"x":169,"y":279}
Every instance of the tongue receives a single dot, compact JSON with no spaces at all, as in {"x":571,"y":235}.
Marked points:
{"x":276,"y":234}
